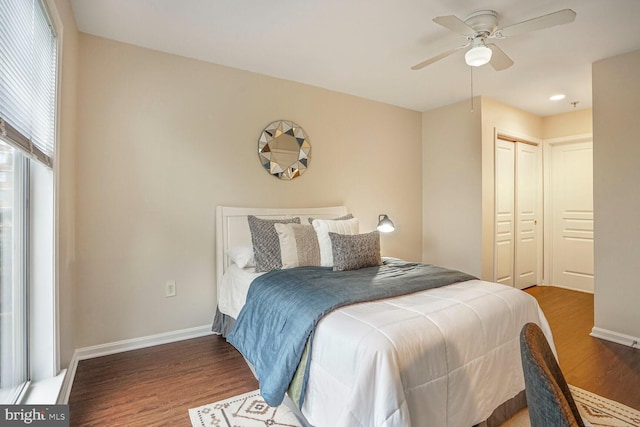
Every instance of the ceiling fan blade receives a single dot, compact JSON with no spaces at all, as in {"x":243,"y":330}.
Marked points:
{"x":499,"y":60}
{"x":545,"y":21}
{"x":437,"y":57}
{"x":454,"y":24}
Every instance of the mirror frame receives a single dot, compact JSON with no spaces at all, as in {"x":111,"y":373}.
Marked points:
{"x":284,"y":132}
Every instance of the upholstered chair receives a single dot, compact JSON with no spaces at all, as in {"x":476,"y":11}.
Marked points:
{"x":548,"y":395}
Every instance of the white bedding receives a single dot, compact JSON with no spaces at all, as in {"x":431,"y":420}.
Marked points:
{"x":442,"y":357}
{"x":233,"y":289}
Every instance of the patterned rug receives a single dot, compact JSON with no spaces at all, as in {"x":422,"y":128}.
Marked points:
{"x":597,"y":410}
{"x":246,"y":410}
{"x":249,"y":410}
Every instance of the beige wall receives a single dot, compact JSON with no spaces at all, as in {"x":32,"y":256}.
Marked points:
{"x":458,"y":185}
{"x":458,"y":176}
{"x":451,"y":187}
{"x":65,"y":178}
{"x":163,"y":140}
{"x":578,"y":122}
{"x":616,"y":176}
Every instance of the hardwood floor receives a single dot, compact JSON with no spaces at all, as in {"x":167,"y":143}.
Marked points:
{"x":156,"y":386}
{"x":602,"y":367}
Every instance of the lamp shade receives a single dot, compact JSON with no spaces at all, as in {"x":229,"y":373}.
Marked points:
{"x":478,"y":55}
{"x":385,"y":225}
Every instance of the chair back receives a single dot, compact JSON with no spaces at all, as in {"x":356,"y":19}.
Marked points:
{"x":548,"y":396}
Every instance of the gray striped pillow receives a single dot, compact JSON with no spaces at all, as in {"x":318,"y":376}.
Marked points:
{"x":298,"y":245}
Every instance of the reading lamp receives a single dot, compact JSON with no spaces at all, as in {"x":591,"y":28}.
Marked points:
{"x":385,"y":225}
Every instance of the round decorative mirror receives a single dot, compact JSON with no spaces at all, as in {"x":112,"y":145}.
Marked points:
{"x":284,"y":149}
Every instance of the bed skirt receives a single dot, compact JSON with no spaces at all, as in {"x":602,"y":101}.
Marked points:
{"x":505,"y":411}
{"x":222,"y":323}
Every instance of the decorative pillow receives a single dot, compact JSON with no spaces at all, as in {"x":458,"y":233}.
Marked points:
{"x":340,"y":218}
{"x":298,"y":245}
{"x":323,"y":227}
{"x":356,"y":251}
{"x":266,"y":246}
{"x":242,"y":256}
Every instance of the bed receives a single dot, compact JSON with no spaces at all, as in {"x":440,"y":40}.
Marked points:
{"x":446,"y":356}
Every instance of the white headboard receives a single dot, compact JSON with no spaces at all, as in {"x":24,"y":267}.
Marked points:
{"x":232,"y":227}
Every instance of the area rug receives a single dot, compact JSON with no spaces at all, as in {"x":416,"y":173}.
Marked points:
{"x":597,"y":410}
{"x":246,"y":410}
{"x":250,"y":410}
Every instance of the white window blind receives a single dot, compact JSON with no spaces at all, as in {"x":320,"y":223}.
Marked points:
{"x":27,"y":78}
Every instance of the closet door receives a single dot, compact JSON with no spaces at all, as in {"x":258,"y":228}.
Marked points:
{"x":505,"y":215}
{"x":517,"y":211}
{"x":527,"y":206}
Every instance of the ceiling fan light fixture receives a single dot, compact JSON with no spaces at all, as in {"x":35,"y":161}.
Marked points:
{"x":478,"y":55}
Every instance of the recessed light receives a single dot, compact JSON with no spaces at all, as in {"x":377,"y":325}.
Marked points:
{"x":557,"y":97}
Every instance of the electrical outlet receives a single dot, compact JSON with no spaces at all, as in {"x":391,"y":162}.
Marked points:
{"x":170,"y":288}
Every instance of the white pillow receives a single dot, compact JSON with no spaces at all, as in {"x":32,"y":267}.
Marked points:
{"x":242,"y":256}
{"x":323,"y":227}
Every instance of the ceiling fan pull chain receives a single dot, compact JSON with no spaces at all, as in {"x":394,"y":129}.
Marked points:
{"x":471,"y":68}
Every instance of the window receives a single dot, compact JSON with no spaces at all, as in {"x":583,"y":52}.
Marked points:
{"x":13,"y":320}
{"x":28,"y":65}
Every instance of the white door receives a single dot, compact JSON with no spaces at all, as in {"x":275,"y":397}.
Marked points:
{"x":527,"y":208}
{"x":518,"y":201}
{"x":571,"y":183}
{"x":505,"y":212}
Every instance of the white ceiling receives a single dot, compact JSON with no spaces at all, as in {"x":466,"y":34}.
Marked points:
{"x":366,"y":47}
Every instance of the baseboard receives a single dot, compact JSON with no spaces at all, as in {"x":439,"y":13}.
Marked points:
{"x":616,"y":337}
{"x":122,"y":346}
{"x":65,"y":390}
{"x":572,"y":289}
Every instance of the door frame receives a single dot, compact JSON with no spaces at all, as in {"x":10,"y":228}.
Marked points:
{"x":527,"y":139}
{"x":547,"y":145}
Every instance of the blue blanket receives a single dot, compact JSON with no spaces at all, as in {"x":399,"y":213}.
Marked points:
{"x":284,"y":306}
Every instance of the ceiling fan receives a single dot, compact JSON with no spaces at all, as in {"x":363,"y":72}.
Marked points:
{"x":483,"y":25}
